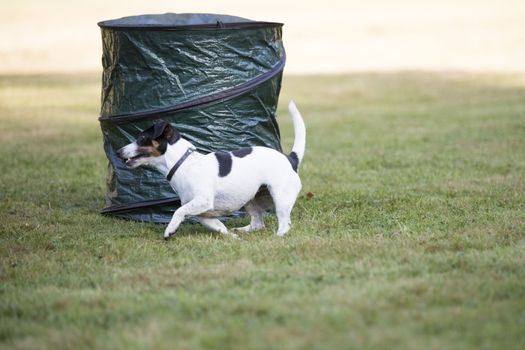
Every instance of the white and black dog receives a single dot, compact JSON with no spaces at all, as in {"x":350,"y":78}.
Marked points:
{"x":219,"y":183}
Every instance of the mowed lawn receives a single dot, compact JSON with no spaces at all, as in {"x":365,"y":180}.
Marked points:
{"x":414,"y":237}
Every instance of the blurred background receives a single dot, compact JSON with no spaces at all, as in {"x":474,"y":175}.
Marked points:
{"x":331,"y":36}
{"x":409,"y":232}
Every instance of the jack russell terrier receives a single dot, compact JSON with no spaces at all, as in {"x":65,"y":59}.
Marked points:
{"x":219,"y":183}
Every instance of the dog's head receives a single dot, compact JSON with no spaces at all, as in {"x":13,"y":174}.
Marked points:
{"x":150,"y":145}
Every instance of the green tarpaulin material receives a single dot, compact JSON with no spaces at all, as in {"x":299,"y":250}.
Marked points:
{"x":216,"y":78}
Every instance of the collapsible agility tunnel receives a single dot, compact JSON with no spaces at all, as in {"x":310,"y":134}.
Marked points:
{"x":216,"y":78}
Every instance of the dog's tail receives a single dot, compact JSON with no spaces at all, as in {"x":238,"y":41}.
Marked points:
{"x":299,"y":143}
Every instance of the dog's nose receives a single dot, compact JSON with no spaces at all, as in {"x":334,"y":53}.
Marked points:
{"x":120,"y":153}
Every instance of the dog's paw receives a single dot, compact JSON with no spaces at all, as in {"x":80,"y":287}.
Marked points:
{"x":168,"y":234}
{"x":243,"y":229}
{"x":232,"y":235}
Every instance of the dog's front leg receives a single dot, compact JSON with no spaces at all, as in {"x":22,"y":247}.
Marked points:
{"x":196,"y":206}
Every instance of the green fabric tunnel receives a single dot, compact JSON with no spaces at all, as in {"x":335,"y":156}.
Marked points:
{"x":216,"y":78}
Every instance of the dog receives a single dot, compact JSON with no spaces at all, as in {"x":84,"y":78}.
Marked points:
{"x":219,"y":183}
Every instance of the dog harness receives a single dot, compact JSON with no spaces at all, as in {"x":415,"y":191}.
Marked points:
{"x":179,"y":163}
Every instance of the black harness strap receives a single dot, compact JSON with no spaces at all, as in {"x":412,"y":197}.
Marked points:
{"x":179,"y":163}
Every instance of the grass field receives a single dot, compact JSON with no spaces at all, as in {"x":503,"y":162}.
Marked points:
{"x":414,"y":237}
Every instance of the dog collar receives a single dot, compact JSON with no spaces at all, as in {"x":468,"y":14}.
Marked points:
{"x":179,"y":163}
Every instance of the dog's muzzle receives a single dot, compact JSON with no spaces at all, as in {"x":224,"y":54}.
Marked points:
{"x":121,"y":153}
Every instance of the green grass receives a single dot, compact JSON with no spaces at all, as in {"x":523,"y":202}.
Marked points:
{"x":414,"y":237}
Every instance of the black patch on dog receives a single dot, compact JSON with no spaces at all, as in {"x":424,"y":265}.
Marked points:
{"x":243,"y":152}
{"x":144,"y":139}
{"x":225,"y":163}
{"x":174,"y":136}
{"x":169,"y":135}
{"x":163,"y":145}
{"x":294,"y":160}
{"x":164,"y":131}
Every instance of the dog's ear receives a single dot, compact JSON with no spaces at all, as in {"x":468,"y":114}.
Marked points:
{"x":158,"y":129}
{"x":166,"y":131}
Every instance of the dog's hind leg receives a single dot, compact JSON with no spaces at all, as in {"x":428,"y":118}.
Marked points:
{"x":256,"y":212}
{"x":283,"y":216}
{"x":284,"y":199}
